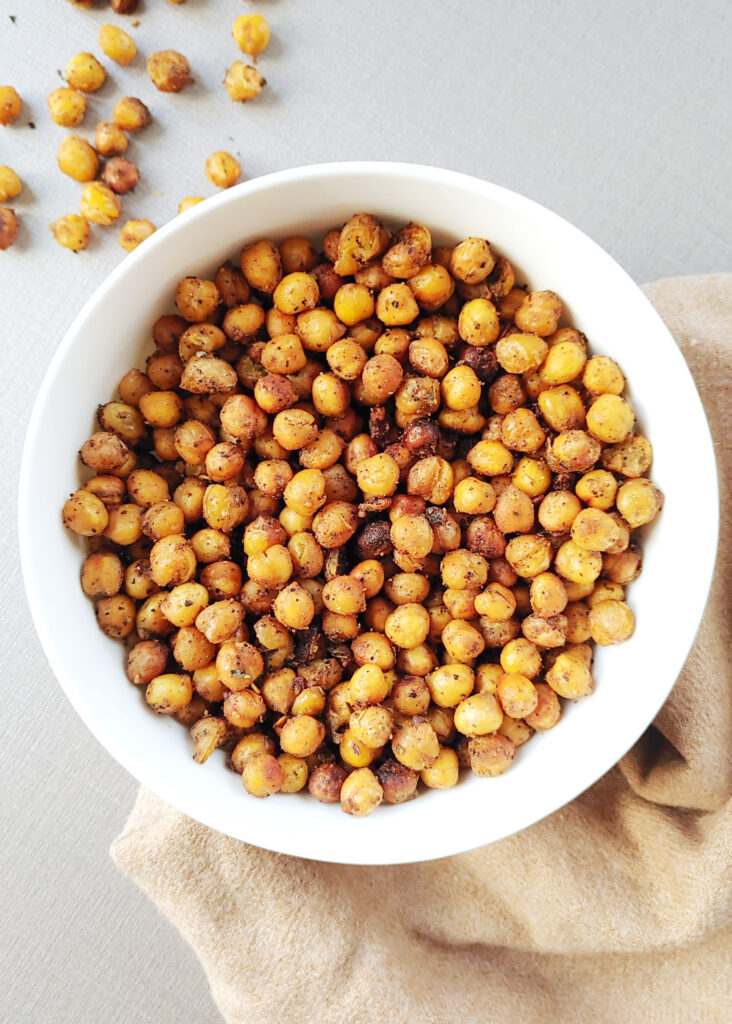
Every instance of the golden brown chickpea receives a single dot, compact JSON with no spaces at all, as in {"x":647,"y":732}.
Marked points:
{"x":478,"y":323}
{"x":135,"y":232}
{"x":207,"y":684}
{"x":162,"y":519}
{"x":576,"y":564}
{"x":490,"y":755}
{"x":450,"y":684}
{"x":539,"y":313}
{"x":378,"y":476}
{"x":222,"y":169}
{"x":77,"y":159}
{"x":146,"y":660}
{"x":373,"y":649}
{"x":294,"y":428}
{"x":578,"y":622}
{"x":575,"y":450}
{"x":522,"y":432}
{"x":545,"y":631}
{"x":514,"y":511}
{"x":335,"y":524}
{"x":239,"y":664}
{"x":161,"y":408}
{"x":417,"y":661}
{"x":605,"y":590}
{"x":319,"y":329}
{"x":346,"y":359}
{"x":172,"y":560}
{"x":104,"y":452}
{"x":595,"y":530}
{"x":610,"y":419}
{"x":146,"y":487}
{"x":117,"y":44}
{"x":478,"y":714}
{"x":463,"y":569}
{"x":131,"y":115}
{"x":9,"y":228}
{"x":151,"y":621}
{"x":353,"y":303}
{"x":431,"y":286}
{"x":396,"y":306}
{"x":548,"y":710}
{"x":71,"y":231}
{"x":242,"y":418}
{"x":325,"y":782}
{"x":461,"y":388}
{"x":210,"y":545}
{"x":10,"y":184}
{"x":558,"y":510}
{"x":302,"y":735}
{"x":407,"y":587}
{"x":243,"y":708}
{"x":603,"y":376}
{"x":444,"y":772}
{"x":361,"y":793}
{"x":570,"y":675}
{"x":207,"y":734}
{"x":432,"y":479}
{"x":111,"y":489}
{"x":521,"y":353}
{"x":462,"y":641}
{"x":638,"y":502}
{"x":67,"y":107}
{"x":243,"y":82}
{"x":261,"y":265}
{"x":85,"y":73}
{"x":564,"y":361}
{"x":168,"y":693}
{"x":101,"y":574}
{"x":632,"y":458}
{"x":611,"y":622}
{"x":360,"y":240}
{"x":517,"y":695}
{"x":295,"y":773}
{"x":490,"y":458}
{"x":428,"y":356}
{"x":116,"y":616}
{"x":529,"y":555}
{"x":472,"y":260}
{"x":344,"y":595}
{"x":294,"y":607}
{"x":408,"y":625}
{"x":169,"y":71}
{"x":205,"y":374}
{"x":562,"y":407}
{"x":496,"y":603}
{"x":182,"y":604}
{"x":521,"y":656}
{"x":296,"y":293}
{"x":597,"y":489}
{"x":99,"y":204}
{"x":548,"y":595}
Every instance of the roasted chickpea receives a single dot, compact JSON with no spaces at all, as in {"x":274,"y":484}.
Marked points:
{"x":603,"y":376}
{"x":408,"y":625}
{"x":10,"y":184}
{"x":239,"y":664}
{"x":77,"y":158}
{"x":610,"y":419}
{"x":558,"y":510}
{"x":162,"y":519}
{"x":472,"y":260}
{"x":478,"y":323}
{"x":638,"y":502}
{"x":294,"y":607}
{"x":595,"y":530}
{"x":450,"y":684}
{"x":361,"y":793}
{"x":496,"y":603}
{"x":168,"y":693}
{"x":577,"y":564}
{"x":101,"y":574}
{"x":598,"y":489}
{"x":570,"y":675}
{"x":539,"y":313}
{"x":548,"y":710}
{"x":243,"y":82}
{"x":85,"y":73}
{"x":243,"y":708}
{"x":325,"y":782}
{"x":301,"y":735}
{"x":396,"y":306}
{"x":575,"y":450}
{"x":462,"y":641}
{"x":117,"y":44}
{"x":71,"y":231}
{"x":521,"y":353}
{"x":529,"y":555}
{"x":183,"y":603}
{"x":611,"y":622}
{"x":67,"y":106}
{"x":261,"y":265}
{"x":490,"y":755}
{"x":222,"y":169}
{"x":146,"y":660}
{"x":169,"y":70}
{"x":478,"y":714}
{"x":134,"y":233}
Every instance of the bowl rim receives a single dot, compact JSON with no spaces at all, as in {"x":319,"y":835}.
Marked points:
{"x":103,"y":729}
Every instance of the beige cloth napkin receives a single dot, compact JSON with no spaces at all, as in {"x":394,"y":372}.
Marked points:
{"x":617,"y":908}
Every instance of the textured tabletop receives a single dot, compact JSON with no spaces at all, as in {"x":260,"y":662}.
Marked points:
{"x":614,"y":115}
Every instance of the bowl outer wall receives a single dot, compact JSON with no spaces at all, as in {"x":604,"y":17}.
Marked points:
{"x":632,"y":680}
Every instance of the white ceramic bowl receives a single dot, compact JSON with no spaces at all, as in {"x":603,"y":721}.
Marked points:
{"x":632,"y":680}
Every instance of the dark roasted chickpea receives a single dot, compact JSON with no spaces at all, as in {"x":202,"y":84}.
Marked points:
{"x":169,"y":70}
{"x":325,"y":782}
{"x":360,"y":240}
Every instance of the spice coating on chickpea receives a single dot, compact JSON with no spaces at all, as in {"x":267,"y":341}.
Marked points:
{"x":243,"y":82}
{"x":222,"y":169}
{"x":10,"y":105}
{"x":85,"y":73}
{"x":374,"y":504}
{"x":169,"y":71}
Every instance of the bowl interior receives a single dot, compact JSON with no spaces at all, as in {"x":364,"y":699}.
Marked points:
{"x":112,"y":333}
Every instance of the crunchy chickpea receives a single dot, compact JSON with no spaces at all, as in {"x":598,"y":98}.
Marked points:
{"x":77,"y":158}
{"x":547,"y":712}
{"x":169,"y":693}
{"x":222,"y":169}
{"x":101,"y":574}
{"x":496,"y":603}
{"x":490,"y":458}
{"x":595,"y":530}
{"x":10,"y":184}
{"x":183,"y":603}
{"x":432,"y":286}
{"x":361,"y":793}
{"x":472,"y":260}
{"x":638,"y":502}
{"x":610,"y":419}
{"x":251,"y":32}
{"x":539,"y":313}
{"x":478,"y":714}
{"x":172,"y":560}
{"x":117,"y":44}
{"x":462,"y":641}
{"x":576,"y":450}
{"x":169,"y":71}
{"x":85,"y":73}
{"x":490,"y":755}
{"x":294,"y":607}
{"x":603,"y":376}
{"x":162,"y":520}
{"x":294,"y":428}
{"x":558,"y":510}
{"x":130,"y":114}
{"x":116,"y":616}
{"x":146,"y":660}
{"x":67,"y":106}
{"x":238,"y":664}
{"x":10,"y":105}
{"x":478,"y":323}
{"x":398,"y":782}
{"x":450,"y":684}
{"x":346,"y":359}
{"x":444,"y":772}
{"x":261,"y":265}
{"x":302,"y":735}
{"x":325,"y":782}
{"x":134,"y":233}
{"x":408,"y":625}
{"x":8,"y":228}
{"x":576,"y":564}
{"x":396,"y":306}
{"x":243,"y":82}
{"x":371,"y":726}
{"x":529,"y":555}
{"x":99,"y":204}
{"x":597,"y":489}
{"x":514,"y":511}
{"x":220,"y":620}
{"x":243,"y":708}
{"x":570,"y":675}
{"x":548,"y":595}
{"x":522,"y":432}
{"x":521,"y":353}
{"x":295,"y":773}
{"x":562,"y":407}
{"x":71,"y":231}
{"x":611,"y":622}
{"x":415,"y":745}
{"x":517,"y":695}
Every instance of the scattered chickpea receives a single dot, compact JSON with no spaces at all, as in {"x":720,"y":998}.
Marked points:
{"x":243,"y":82}
{"x":99,"y":204}
{"x":117,"y":44}
{"x":251,"y":32}
{"x":120,"y":175}
{"x":189,"y":202}
{"x":222,"y":169}
{"x":169,"y":70}
{"x":131,"y":114}
{"x":77,"y":158}
{"x":71,"y":231}
{"x":67,"y":106}
{"x":8,"y":228}
{"x":134,"y":232}
{"x":10,"y":184}
{"x":10,"y":104}
{"x":85,"y":73}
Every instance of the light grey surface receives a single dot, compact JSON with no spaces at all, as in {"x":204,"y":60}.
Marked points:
{"x":615,"y":115}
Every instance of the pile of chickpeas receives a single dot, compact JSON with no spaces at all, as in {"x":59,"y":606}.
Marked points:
{"x":364,"y":513}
